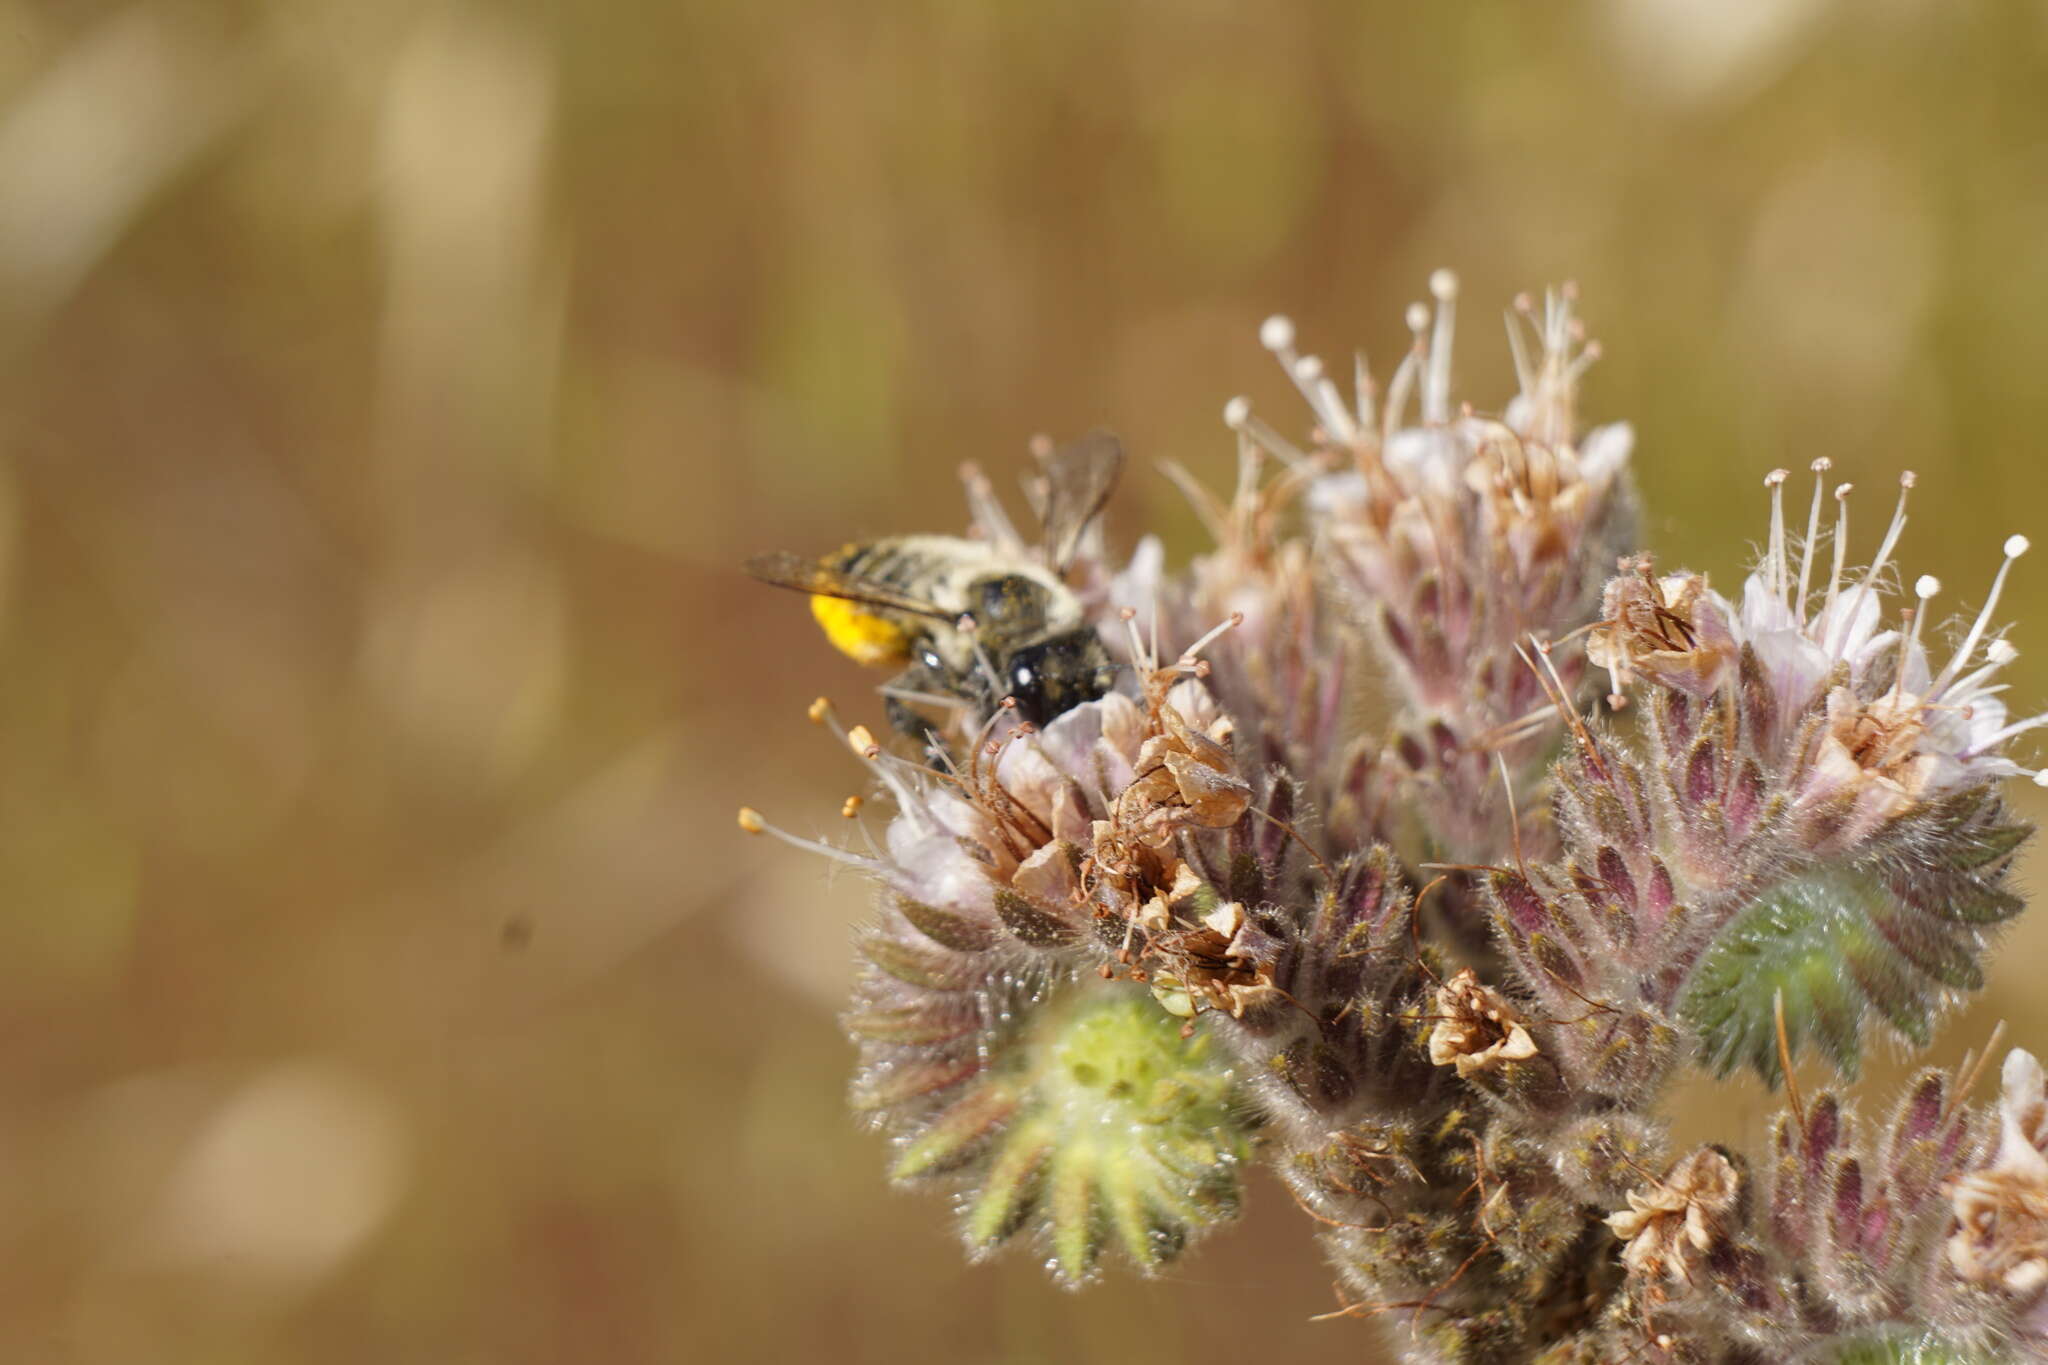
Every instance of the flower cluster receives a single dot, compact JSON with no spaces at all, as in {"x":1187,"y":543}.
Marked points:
{"x":1376,"y":881}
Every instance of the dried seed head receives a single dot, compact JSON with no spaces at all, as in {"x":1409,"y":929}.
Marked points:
{"x":1670,"y":1224}
{"x":1476,"y":1029}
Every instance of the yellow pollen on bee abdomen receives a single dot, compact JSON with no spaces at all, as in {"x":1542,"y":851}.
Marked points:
{"x":864,"y":636}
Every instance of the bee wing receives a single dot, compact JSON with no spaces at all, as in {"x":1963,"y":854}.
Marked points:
{"x":1074,"y":482}
{"x":787,"y":569}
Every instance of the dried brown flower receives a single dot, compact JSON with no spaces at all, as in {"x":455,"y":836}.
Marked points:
{"x":1670,"y":1223}
{"x":1476,"y":1029}
{"x":1673,"y":630}
{"x":2001,"y":1236}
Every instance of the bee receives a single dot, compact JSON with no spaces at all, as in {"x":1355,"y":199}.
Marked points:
{"x":970,"y":623}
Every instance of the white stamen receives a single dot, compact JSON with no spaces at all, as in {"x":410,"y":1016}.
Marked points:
{"x":1237,"y":412}
{"x":1399,"y":387}
{"x":1236,"y":619}
{"x":1974,"y":683}
{"x":752,"y":823}
{"x":2015,"y":546}
{"x":1361,"y":379}
{"x":1337,"y":417}
{"x":1321,"y":396}
{"x":1588,"y":355}
{"x":1924,"y":588}
{"x":1258,"y":430}
{"x":1841,"y":549}
{"x":2001,"y":652}
{"x":1436,"y":389}
{"x":1890,"y":542}
{"x":1276,"y":333}
{"x":1775,"y":572}
{"x":1418,"y":319}
{"x":1524,"y":374}
{"x":1820,"y":469}
{"x":2017,"y":728}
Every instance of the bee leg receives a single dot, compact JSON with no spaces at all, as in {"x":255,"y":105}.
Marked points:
{"x":915,"y":683}
{"x":908,"y":723}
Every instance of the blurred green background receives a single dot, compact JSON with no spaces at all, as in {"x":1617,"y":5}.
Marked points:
{"x":391,"y":389}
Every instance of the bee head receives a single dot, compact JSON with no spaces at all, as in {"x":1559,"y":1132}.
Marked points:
{"x":1052,"y":676}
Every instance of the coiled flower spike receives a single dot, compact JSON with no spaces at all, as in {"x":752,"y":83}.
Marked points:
{"x":1353,"y":885}
{"x":1025,"y":1006}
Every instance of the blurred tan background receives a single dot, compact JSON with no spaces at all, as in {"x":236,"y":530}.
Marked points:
{"x":391,"y":389}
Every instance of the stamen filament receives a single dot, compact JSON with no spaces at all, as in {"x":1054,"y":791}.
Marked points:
{"x":1436,"y":389}
{"x":1841,"y":550}
{"x":1890,"y":542}
{"x":751,"y":821}
{"x":2015,"y":546}
{"x":1775,"y":571}
{"x":1820,"y":471}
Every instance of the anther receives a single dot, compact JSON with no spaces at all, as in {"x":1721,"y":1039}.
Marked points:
{"x":862,"y":741}
{"x":820,"y":711}
{"x":1276,"y":333}
{"x":850,"y":807}
{"x":1237,"y":412}
{"x":1443,"y":284}
{"x":752,"y":823}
